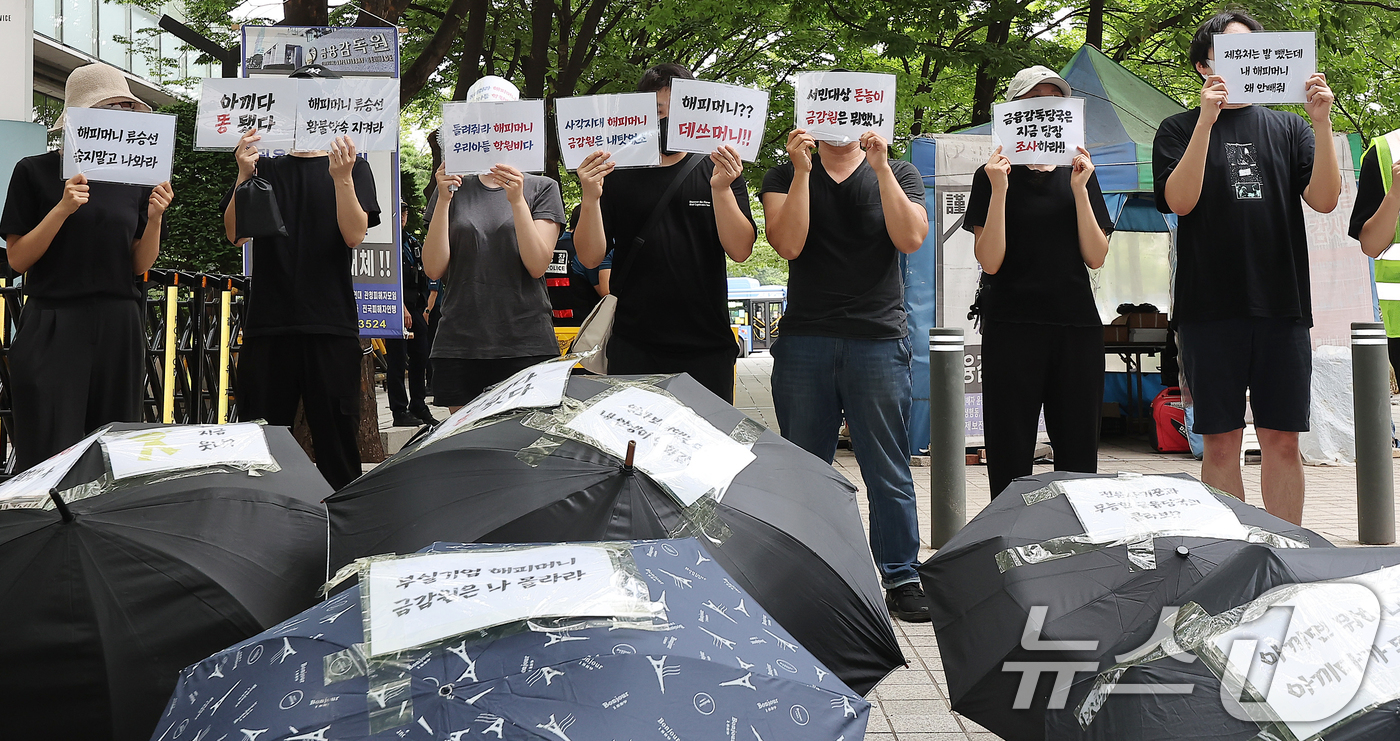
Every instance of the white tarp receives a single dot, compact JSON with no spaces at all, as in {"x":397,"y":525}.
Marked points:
{"x":1331,"y":435}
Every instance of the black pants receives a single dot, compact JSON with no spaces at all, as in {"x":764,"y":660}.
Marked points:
{"x":714,"y":370}
{"x":74,"y":366}
{"x":320,"y":371}
{"x":1025,"y":366}
{"x":409,"y":355}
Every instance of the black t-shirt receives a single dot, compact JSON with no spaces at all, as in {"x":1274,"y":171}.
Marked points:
{"x":415,"y":283}
{"x":847,"y":281}
{"x":301,"y":283}
{"x":90,"y":256}
{"x":1243,"y":250}
{"x":674,"y":292}
{"x":1043,"y":278}
{"x":1370,"y":191}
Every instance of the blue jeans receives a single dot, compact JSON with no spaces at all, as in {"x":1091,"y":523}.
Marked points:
{"x":815,"y":380}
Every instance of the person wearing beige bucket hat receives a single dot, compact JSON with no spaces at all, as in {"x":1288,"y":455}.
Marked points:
{"x":77,"y":360}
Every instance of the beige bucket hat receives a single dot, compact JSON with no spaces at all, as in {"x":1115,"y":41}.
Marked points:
{"x":97,"y":84}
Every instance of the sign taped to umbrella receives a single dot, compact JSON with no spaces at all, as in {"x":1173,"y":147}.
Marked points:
{"x":420,"y":599}
{"x":841,"y":106}
{"x":1039,"y":131}
{"x":677,"y":448}
{"x":624,"y":126}
{"x":202,"y":448}
{"x":1118,"y":509}
{"x":539,"y":386}
{"x":30,"y":490}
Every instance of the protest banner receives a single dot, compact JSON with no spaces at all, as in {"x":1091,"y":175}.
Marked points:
{"x":176,"y":448}
{"x":535,"y":387}
{"x":1039,"y":131}
{"x":117,"y":146}
{"x":280,"y":50}
{"x":624,"y":126}
{"x":1117,"y":509}
{"x":479,"y":136}
{"x":230,"y":106}
{"x":839,"y":107}
{"x":677,"y":448}
{"x":1266,"y":68}
{"x":705,"y":116}
{"x":415,"y":600}
{"x":366,"y":110}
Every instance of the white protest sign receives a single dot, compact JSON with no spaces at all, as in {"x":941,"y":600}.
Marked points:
{"x":1117,"y":509}
{"x":676,"y":447}
{"x":841,"y":106}
{"x":366,"y":109}
{"x":425,"y":598}
{"x":230,"y":106}
{"x":479,"y":136}
{"x":31,"y":488}
{"x":623,"y":125}
{"x":707,"y":115}
{"x":183,"y":447}
{"x":535,"y":387}
{"x":1266,"y":68}
{"x":1039,"y":131}
{"x":118,"y":146}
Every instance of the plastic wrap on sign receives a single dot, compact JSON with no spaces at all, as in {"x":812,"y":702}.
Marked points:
{"x":539,"y":386}
{"x":30,"y":490}
{"x":177,"y":449}
{"x":1128,"y":508}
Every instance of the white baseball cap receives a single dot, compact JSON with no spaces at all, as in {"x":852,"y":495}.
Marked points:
{"x":492,"y":88}
{"x":1032,"y":76}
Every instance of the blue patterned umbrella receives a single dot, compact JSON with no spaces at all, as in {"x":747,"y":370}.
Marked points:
{"x":717,"y":666}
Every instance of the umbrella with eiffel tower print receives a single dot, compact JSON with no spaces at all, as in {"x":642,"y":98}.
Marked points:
{"x":686,"y":653}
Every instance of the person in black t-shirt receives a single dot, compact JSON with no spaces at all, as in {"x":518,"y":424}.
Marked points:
{"x":77,"y":361}
{"x":842,"y":217}
{"x":1039,"y":230}
{"x":410,"y":354}
{"x":1373,"y":223}
{"x":672,"y":289}
{"x":1236,"y":175}
{"x":301,"y":336}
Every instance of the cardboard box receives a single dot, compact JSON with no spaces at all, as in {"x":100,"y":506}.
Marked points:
{"x":1147,"y":321}
{"x":1115,"y":334}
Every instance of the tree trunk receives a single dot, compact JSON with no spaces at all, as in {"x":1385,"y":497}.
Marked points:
{"x":305,"y":13}
{"x":984,"y":90}
{"x":430,"y":58}
{"x":1093,"y":28}
{"x":541,"y":33}
{"x":380,"y":12}
{"x":473,"y":44}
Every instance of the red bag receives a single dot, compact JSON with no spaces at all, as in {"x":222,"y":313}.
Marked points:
{"x":1169,"y":422}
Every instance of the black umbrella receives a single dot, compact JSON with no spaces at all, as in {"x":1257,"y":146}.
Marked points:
{"x":982,"y":607}
{"x":699,"y":672}
{"x":104,"y":599}
{"x":1249,"y":574}
{"x":787,"y":529}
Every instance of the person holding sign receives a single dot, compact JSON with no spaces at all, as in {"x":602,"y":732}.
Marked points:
{"x":1237,"y":175}
{"x":491,"y":250}
{"x":1040,"y":229}
{"x":301,"y":335}
{"x":77,"y":361}
{"x":1374,"y":223}
{"x":671,"y":228}
{"x":842,"y":217}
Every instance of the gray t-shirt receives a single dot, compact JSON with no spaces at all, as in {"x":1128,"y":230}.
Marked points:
{"x":491,"y":307}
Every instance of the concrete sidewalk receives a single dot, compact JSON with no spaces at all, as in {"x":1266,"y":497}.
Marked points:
{"x":912,"y":703}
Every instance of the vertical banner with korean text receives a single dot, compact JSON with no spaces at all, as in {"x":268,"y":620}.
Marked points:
{"x":624,"y":126}
{"x":707,"y":115}
{"x":840,"y":107}
{"x":1266,"y":68}
{"x":1039,"y":131}
{"x":479,"y":136}
{"x":352,"y":52}
{"x":118,"y":146}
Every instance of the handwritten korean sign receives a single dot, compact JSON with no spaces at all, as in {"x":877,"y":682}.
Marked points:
{"x":118,"y":146}
{"x":230,"y":106}
{"x":1266,"y":68}
{"x":1116,"y":509}
{"x":182,"y":447}
{"x":30,"y":490}
{"x":425,"y":598}
{"x":707,"y":115}
{"x":364,"y":109}
{"x":479,"y":136}
{"x":676,"y":447}
{"x":622,"y":125}
{"x":1039,"y":131}
{"x":538,"y":386}
{"x":841,"y":106}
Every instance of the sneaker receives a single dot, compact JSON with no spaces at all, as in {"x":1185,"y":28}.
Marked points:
{"x":908,"y":603}
{"x":406,"y":420}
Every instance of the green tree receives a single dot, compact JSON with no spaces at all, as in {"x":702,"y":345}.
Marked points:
{"x":195,"y":238}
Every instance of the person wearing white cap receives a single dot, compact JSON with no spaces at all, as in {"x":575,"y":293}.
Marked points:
{"x":1237,"y":175}
{"x":490,"y":240}
{"x":77,"y":361}
{"x":1039,"y":230}
{"x":301,"y":334}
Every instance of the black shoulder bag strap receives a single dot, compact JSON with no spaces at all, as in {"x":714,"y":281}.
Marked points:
{"x":658,"y":212}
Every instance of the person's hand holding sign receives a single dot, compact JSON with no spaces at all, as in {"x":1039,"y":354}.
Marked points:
{"x":595,"y":167}
{"x":246,"y":154}
{"x":1214,"y":96}
{"x":512,"y":181}
{"x":999,"y":171}
{"x":161,"y":196}
{"x":446,"y":184}
{"x":1083,"y":168}
{"x":342,"y":158}
{"x":877,"y":151}
{"x":728,"y":167}
{"x":75,"y":194}
{"x":799,"y":149}
{"x":1320,"y":97}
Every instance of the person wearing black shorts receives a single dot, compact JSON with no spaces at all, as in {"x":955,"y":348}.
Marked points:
{"x":1236,"y":175}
